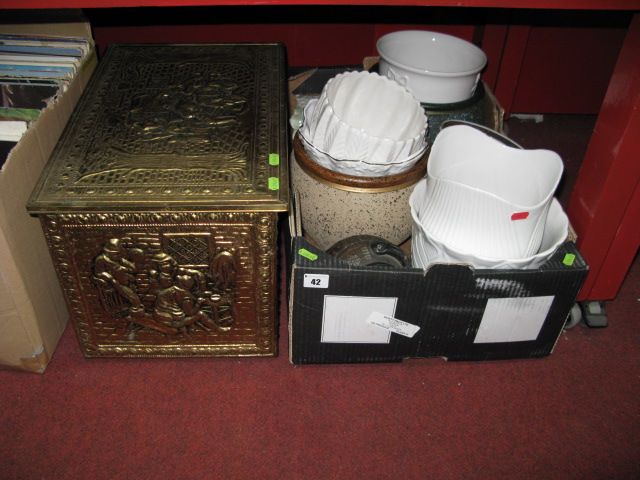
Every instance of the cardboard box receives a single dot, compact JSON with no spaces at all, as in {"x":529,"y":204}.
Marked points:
{"x":33,"y":313}
{"x":460,"y":313}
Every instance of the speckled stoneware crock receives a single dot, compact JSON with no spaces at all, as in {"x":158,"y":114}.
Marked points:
{"x":335,"y":206}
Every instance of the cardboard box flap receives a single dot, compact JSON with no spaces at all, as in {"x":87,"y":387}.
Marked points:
{"x":61,"y":23}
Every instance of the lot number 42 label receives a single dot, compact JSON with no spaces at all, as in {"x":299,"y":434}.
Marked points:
{"x":315,"y":280}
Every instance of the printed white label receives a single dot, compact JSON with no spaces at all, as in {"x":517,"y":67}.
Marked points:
{"x":393,"y":325}
{"x":515,"y":319}
{"x":344,"y":319}
{"x":315,"y":280}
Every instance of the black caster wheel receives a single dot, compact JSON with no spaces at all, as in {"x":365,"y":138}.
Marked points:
{"x":595,"y":315}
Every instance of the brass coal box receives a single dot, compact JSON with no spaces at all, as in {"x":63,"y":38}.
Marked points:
{"x":160,"y":202}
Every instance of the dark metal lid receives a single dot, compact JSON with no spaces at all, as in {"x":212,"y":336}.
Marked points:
{"x":175,"y":127}
{"x":369,"y":251}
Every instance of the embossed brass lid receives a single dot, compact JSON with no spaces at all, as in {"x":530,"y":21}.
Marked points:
{"x":175,"y":127}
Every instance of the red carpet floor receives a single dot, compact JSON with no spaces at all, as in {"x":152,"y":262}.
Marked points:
{"x":573,"y":415}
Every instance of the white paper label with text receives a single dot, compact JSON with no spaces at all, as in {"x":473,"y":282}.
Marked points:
{"x":392,"y":324}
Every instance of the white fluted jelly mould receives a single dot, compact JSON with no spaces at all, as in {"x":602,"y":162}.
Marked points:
{"x":368,"y":117}
{"x":360,"y":168}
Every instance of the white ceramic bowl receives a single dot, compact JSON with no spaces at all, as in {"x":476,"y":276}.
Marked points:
{"x":361,"y":168}
{"x":365,"y":116}
{"x":485,"y":197}
{"x":436,"y":67}
{"x":427,"y":249}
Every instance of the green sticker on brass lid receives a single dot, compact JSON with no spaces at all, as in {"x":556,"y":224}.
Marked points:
{"x":274,"y":183}
{"x":274,"y":159}
{"x":303,"y":252}
{"x":568,"y":259}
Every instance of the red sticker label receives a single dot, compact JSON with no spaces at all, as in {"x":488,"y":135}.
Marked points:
{"x":519,"y":215}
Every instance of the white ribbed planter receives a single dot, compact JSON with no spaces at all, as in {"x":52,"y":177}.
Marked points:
{"x":487,"y":198}
{"x":428,"y":249}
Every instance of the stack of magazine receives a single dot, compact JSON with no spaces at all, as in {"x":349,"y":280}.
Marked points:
{"x":34,"y":69}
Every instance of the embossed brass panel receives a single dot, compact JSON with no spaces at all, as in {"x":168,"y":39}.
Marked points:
{"x":175,"y":126}
{"x":160,"y":203}
{"x":168,"y":284}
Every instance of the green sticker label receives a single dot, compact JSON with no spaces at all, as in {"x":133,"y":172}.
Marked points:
{"x":568,"y":259}
{"x":303,"y":252}
{"x":274,"y":183}
{"x":274,"y":159}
